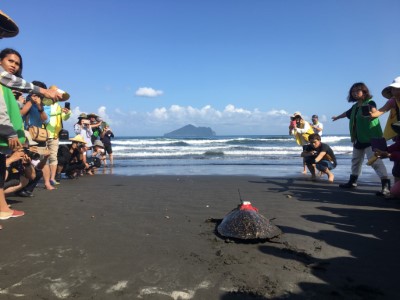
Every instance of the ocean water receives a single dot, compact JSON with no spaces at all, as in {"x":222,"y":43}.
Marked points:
{"x":268,"y":156}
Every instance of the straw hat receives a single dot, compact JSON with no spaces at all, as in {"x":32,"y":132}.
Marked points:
{"x":297,"y":113}
{"x":8,"y":28}
{"x":98,"y":143}
{"x":78,"y":138}
{"x":92,"y":115}
{"x":82,"y":116}
{"x":28,"y":136}
{"x":387,"y":91}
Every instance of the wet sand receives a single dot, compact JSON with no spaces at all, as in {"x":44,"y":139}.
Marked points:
{"x":153,"y":237}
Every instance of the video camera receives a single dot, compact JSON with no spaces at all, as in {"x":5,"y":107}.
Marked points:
{"x":32,"y":155}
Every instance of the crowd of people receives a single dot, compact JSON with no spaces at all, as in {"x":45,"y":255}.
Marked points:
{"x":365,"y":132}
{"x":33,"y":144}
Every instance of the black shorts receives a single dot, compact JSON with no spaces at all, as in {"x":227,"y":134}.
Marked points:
{"x":107,"y":148}
{"x":2,"y":169}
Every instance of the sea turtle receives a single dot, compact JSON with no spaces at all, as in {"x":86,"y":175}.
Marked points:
{"x":244,"y":222}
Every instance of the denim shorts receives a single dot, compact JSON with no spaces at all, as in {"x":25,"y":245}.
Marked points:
{"x":322,"y":165}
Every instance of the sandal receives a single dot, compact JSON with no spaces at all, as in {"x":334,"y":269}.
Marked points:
{"x":13,"y":214}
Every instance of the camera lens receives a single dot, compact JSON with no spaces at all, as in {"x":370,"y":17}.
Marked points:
{"x":32,"y":155}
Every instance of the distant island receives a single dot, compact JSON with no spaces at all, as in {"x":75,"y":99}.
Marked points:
{"x":191,"y":131}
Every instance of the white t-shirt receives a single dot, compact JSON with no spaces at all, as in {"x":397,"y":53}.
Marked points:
{"x":318,"y":125}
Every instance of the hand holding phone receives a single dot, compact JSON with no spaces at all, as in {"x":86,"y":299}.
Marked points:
{"x":365,"y":109}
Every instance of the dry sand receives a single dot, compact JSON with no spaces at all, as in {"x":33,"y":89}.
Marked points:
{"x":150,"y":237}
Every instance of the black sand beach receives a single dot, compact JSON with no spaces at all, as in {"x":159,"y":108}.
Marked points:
{"x":152,"y":237}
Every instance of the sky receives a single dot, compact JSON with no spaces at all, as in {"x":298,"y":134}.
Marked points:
{"x":149,"y":67}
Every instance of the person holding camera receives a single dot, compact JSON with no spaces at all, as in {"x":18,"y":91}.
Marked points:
{"x":83,"y":128}
{"x":8,"y":133}
{"x":36,"y":114}
{"x":362,"y":129}
{"x":320,"y":156}
{"x":57,"y":115}
{"x":38,"y":161}
{"x":301,"y":130}
{"x":20,"y":170}
{"x":69,"y":157}
{"x":96,"y":125}
{"x":105,"y":137}
{"x":316,"y":125}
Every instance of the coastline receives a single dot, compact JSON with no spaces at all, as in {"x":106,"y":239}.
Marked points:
{"x":147,"y":237}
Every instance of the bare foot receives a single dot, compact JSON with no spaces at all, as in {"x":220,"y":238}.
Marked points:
{"x":304,"y":172}
{"x":331,"y":177}
{"x":49,"y":187}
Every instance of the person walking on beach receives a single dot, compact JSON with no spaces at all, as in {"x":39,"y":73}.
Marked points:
{"x":301,"y":130}
{"x":316,"y":125}
{"x":319,"y":156}
{"x":362,"y":130}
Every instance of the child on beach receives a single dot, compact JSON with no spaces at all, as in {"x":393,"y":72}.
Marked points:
{"x":105,"y":137}
{"x":362,"y":130}
{"x":319,"y":156}
{"x":301,"y":130}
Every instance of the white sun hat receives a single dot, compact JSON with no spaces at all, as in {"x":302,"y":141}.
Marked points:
{"x":387,"y":91}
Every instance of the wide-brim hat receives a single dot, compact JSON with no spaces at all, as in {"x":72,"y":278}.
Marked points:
{"x":8,"y":28}
{"x":28,"y":136}
{"x":98,"y":143}
{"x":78,"y":138}
{"x":92,"y":115}
{"x":297,"y":113}
{"x":387,"y":91}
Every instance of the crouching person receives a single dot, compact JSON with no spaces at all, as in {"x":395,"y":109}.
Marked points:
{"x":19,"y":171}
{"x":70,"y":157}
{"x":319,"y":156}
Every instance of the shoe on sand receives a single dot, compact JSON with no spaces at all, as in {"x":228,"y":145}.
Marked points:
{"x":14,"y":214}
{"x":54,"y":182}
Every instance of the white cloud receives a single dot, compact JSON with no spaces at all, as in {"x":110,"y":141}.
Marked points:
{"x":148,"y":92}
{"x":229,"y":120}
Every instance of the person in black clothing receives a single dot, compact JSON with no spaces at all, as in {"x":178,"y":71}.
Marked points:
{"x":70,"y":157}
{"x":319,"y":156}
{"x":105,"y":137}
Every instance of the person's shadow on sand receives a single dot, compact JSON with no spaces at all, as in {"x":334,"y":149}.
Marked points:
{"x":365,"y":230}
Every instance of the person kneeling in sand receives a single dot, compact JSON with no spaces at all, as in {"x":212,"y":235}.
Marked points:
{"x":319,"y":156}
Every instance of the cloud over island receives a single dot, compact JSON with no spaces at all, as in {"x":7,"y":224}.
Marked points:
{"x":230,"y":120}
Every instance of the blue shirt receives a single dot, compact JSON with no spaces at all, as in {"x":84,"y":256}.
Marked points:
{"x":33,"y":116}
